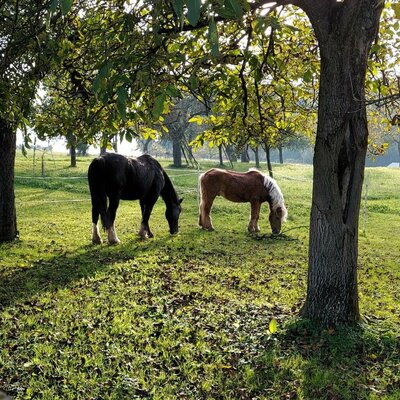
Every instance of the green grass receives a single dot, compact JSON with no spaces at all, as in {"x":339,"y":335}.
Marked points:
{"x":187,"y":316}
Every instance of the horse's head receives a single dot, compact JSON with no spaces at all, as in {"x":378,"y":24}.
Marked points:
{"x":277,"y":215}
{"x":172,"y":214}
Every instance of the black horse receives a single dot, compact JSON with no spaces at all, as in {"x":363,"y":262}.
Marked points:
{"x":123,"y":178}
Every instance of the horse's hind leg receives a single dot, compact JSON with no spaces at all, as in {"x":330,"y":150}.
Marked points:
{"x":112,"y":211}
{"x":147,"y":207}
{"x":96,"y":238}
{"x":255,"y":213}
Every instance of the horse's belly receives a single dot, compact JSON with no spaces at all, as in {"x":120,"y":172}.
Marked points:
{"x":234,"y":197}
{"x":130,"y":195}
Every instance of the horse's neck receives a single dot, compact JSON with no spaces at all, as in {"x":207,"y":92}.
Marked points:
{"x":275,"y":197}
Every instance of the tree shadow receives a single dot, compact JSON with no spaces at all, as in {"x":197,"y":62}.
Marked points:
{"x":347,"y":363}
{"x":59,"y":271}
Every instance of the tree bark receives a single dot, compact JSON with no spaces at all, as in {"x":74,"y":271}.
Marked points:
{"x":221,"y":159}
{"x":176,"y":153}
{"x":269,"y":164}
{"x":244,"y":156}
{"x":257,"y":157}
{"x":280,"y":149}
{"x":72,"y":152}
{"x":345,"y":32}
{"x":8,"y":216}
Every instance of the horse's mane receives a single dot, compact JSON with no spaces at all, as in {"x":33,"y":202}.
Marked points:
{"x":275,"y":192}
{"x":168,"y":193}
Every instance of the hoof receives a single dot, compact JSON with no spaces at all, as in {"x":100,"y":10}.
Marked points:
{"x":97,"y":241}
{"x":143,"y":235}
{"x":209,"y":229}
{"x":114,"y":242}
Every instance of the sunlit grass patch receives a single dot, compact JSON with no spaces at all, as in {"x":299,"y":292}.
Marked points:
{"x":188,"y":316}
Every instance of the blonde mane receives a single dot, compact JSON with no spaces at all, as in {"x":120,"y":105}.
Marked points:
{"x":275,"y":192}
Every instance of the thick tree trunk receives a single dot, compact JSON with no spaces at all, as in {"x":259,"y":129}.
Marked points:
{"x":72,"y":143}
{"x":72,"y":152}
{"x":177,"y":153}
{"x":280,"y":149}
{"x":339,"y":160}
{"x":8,"y":216}
{"x":244,"y":156}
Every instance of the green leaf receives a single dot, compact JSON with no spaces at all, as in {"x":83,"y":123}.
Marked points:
{"x":194,"y":11}
{"x":193,"y":82}
{"x":53,"y":5}
{"x":128,"y":136}
{"x":234,"y":7}
{"x":198,"y":119}
{"x":158,"y":106}
{"x":273,"y":326}
{"x":307,"y":77}
{"x":396,"y":9}
{"x":213,"y":38}
{"x":172,"y":91}
{"x":178,"y":8}
{"x":65,"y":6}
{"x":122,"y":95}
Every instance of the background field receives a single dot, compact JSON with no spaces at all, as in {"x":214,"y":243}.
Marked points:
{"x":187,"y":316}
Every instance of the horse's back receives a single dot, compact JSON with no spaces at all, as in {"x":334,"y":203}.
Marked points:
{"x":234,"y":186}
{"x":129,"y":178}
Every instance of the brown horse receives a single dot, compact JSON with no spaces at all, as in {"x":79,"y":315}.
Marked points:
{"x":252,"y":186}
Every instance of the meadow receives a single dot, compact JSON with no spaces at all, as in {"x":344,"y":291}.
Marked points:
{"x":189,"y":316}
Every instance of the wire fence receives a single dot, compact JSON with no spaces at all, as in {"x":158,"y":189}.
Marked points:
{"x":183,"y":190}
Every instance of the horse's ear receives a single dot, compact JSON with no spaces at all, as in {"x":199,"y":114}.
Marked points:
{"x":180,"y":200}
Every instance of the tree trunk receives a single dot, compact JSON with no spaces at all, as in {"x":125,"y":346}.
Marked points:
{"x":8,"y":216}
{"x":221,"y":160}
{"x":339,"y":160}
{"x":257,"y":157}
{"x":114,"y":144}
{"x":230,"y":151}
{"x":244,"y":156}
{"x":72,"y":152}
{"x":176,"y":153}
{"x":280,"y":149}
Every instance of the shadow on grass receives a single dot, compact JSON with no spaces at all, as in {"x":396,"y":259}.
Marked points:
{"x":348,"y":363}
{"x":66,"y":267}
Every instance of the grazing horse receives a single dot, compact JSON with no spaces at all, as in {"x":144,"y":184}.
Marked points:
{"x":252,"y":186}
{"x":117,"y":177}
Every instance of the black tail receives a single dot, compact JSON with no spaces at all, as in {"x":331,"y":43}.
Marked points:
{"x":96,"y":177}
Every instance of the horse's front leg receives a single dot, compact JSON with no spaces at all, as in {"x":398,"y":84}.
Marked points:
{"x":112,"y":211}
{"x":204,"y":214}
{"x":254,"y":216}
{"x":147,"y":208}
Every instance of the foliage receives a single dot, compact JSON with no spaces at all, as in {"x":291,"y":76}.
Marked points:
{"x":27,"y":53}
{"x":254,"y":68}
{"x":187,"y":316}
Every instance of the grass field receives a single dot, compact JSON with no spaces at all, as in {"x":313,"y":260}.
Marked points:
{"x":188,"y":316}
